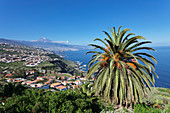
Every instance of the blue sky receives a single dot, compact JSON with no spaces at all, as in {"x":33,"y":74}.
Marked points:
{"x":80,"y":21}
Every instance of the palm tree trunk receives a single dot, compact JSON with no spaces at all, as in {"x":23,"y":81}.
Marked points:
{"x":129,"y":96}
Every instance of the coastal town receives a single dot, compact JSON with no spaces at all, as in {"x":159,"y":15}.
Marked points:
{"x":31,"y":56}
{"x":32,"y":74}
{"x":62,"y":81}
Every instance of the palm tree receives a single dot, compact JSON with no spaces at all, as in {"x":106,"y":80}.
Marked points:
{"x":122,"y":72}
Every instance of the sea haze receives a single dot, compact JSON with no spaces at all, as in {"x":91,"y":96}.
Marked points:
{"x":162,"y":56}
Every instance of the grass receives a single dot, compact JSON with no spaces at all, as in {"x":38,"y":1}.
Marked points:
{"x":49,"y":74}
{"x":44,"y":64}
{"x":67,"y":75}
{"x":16,"y":63}
{"x":164,"y":90}
{"x":142,"y":108}
{"x":160,"y":96}
{"x":158,"y":101}
{"x":8,"y":52}
{"x":68,"y":62}
{"x":12,"y":65}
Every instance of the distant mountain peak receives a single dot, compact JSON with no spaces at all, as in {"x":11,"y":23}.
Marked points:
{"x":43,"y":40}
{"x":47,"y":40}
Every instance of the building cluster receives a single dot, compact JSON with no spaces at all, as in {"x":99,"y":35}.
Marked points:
{"x":46,"y":82}
{"x":31,"y":56}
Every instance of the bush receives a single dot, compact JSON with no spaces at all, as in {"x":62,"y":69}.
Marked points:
{"x":143,"y":108}
{"x":38,"y":100}
{"x":7,"y":90}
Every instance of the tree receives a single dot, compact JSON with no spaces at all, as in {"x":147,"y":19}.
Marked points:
{"x":12,"y":88}
{"x":19,"y":73}
{"x":122,"y":72}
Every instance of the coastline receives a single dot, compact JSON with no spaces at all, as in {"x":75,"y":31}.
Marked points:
{"x":161,"y":67}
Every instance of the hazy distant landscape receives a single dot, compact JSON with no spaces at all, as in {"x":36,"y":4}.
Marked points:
{"x":46,"y":44}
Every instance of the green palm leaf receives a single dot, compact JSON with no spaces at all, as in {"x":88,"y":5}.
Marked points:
{"x":118,"y":71}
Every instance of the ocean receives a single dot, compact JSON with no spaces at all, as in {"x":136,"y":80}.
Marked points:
{"x":162,"y":56}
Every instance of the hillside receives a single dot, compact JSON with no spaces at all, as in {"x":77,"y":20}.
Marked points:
{"x":161,"y":97}
{"x":59,"y":65}
{"x":2,"y":40}
{"x":15,"y":57}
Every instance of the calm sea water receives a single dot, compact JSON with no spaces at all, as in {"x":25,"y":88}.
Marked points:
{"x":162,"y":67}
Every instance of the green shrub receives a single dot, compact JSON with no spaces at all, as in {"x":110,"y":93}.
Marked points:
{"x":168,"y":110}
{"x":143,"y":108}
{"x":7,"y":90}
{"x":38,"y":100}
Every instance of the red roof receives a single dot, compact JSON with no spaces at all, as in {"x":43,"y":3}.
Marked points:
{"x":7,"y":75}
{"x":18,"y":81}
{"x":60,"y":87}
{"x":68,"y":82}
{"x":77,"y":81}
{"x":55,"y":84}
{"x":30,"y":82}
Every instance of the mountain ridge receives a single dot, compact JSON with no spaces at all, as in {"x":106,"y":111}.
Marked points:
{"x":46,"y":44}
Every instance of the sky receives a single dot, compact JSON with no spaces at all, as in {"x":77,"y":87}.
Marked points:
{"x":81,"y":21}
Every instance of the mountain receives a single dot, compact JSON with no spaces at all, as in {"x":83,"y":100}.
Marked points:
{"x":47,"y":40}
{"x":2,"y":40}
{"x":55,"y":46}
{"x":42,"y":40}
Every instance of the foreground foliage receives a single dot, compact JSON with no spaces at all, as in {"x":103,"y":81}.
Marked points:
{"x":8,"y":89}
{"x":142,"y":108}
{"x":17,"y":98}
{"x":36,"y":100}
{"x":122,"y":70}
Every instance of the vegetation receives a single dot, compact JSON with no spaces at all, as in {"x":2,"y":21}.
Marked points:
{"x":122,"y":70}
{"x":7,"y":52}
{"x":7,"y":90}
{"x":17,"y":98}
{"x":13,"y":66}
{"x":156,"y":102}
{"x":160,"y":98}
{"x":68,"y":62}
{"x":67,"y":75}
{"x":43,"y":64}
{"x":19,"y":73}
{"x":143,"y":108}
{"x":59,"y":66}
{"x":54,"y":63}
{"x":38,"y":100}
{"x":87,"y":89}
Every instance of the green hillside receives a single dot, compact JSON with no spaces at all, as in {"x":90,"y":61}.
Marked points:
{"x":14,"y":57}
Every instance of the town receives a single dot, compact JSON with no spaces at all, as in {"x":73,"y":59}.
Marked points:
{"x":36,"y":68}
{"x":62,"y":81}
{"x":31,"y":56}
